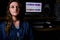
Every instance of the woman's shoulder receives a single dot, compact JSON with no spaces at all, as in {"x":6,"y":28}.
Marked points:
{"x":26,"y":23}
{"x":2,"y":23}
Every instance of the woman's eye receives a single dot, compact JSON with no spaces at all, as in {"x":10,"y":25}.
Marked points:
{"x":12,"y":7}
{"x":17,"y":6}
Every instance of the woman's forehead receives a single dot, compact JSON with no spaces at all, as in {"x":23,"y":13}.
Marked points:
{"x":14,"y":4}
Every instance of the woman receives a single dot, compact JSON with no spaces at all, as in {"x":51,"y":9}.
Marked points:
{"x":15,"y":28}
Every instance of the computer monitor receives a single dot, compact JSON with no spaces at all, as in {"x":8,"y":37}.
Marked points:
{"x":33,"y":7}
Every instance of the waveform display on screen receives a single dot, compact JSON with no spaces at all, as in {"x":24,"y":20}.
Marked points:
{"x":33,"y":7}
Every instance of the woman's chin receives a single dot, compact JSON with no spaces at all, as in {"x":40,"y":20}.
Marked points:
{"x":14,"y":15}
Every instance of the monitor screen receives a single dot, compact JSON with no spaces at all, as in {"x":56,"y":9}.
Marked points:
{"x":33,"y":7}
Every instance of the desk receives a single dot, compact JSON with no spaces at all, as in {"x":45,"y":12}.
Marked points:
{"x":47,"y":29}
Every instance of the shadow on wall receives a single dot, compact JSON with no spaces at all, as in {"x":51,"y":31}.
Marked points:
{"x":3,"y":4}
{"x":57,"y":11}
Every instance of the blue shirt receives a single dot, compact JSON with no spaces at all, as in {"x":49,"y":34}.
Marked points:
{"x":23,"y":33}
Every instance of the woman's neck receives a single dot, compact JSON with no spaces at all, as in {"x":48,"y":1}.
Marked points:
{"x":14,"y":19}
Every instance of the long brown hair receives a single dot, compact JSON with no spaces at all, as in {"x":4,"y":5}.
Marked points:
{"x":9,"y":17}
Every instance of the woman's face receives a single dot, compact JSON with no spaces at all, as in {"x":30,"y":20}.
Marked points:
{"x":14,"y":8}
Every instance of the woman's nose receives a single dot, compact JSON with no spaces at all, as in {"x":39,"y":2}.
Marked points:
{"x":16,"y":9}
